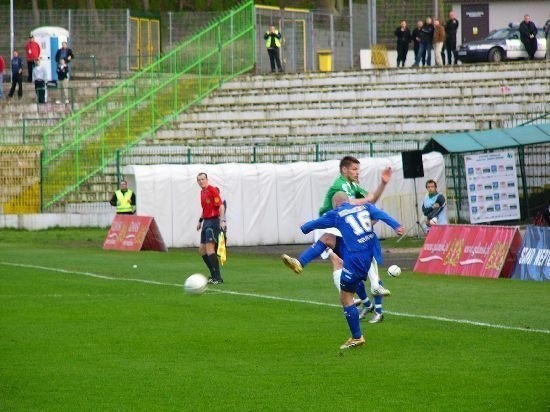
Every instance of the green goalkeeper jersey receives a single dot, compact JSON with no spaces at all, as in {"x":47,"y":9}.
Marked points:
{"x":352,"y":189}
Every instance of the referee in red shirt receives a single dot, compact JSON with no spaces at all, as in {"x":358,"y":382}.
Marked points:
{"x":210,"y":223}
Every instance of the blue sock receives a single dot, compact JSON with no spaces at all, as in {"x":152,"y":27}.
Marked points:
{"x":312,"y":252}
{"x":362,"y":293}
{"x":352,"y":317}
{"x":378,"y":302}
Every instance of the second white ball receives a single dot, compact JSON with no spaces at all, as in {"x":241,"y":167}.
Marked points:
{"x":394,"y":271}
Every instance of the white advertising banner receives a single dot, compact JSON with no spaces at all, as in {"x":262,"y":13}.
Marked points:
{"x":491,"y":179}
{"x":266,"y":203}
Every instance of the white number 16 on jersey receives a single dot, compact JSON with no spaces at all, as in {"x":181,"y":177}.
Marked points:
{"x":359,"y":222}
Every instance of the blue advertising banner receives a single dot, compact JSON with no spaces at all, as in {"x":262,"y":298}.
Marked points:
{"x":534,"y":256}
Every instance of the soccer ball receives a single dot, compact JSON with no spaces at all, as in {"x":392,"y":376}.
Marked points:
{"x":394,"y":271}
{"x":195,"y":284}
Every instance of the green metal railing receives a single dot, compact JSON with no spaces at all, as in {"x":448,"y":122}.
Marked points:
{"x":140,"y":105}
{"x":263,"y":152}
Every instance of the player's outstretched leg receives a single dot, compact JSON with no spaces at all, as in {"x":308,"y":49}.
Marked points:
{"x":312,"y":252}
{"x":292,"y":263}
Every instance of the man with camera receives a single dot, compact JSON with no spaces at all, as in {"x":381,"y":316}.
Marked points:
{"x":273,"y":43}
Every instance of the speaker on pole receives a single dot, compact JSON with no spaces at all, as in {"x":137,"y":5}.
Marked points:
{"x":412,"y":164}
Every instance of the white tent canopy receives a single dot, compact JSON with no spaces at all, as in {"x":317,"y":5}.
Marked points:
{"x":267,"y":202}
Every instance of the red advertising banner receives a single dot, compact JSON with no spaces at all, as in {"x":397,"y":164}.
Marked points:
{"x":131,"y":232}
{"x":483,"y":251}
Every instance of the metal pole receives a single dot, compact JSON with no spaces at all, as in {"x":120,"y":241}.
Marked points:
{"x":127,"y":40}
{"x":351,"y":33}
{"x":170,"y":29}
{"x":372,"y":22}
{"x":12,"y":31}
{"x":332,"y":38}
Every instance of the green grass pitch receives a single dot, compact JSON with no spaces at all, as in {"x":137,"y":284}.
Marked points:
{"x":82,"y":329}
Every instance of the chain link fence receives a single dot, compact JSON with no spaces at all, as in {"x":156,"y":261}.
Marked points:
{"x":102,"y":39}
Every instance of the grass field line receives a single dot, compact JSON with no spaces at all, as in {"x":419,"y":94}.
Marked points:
{"x":285,"y":299}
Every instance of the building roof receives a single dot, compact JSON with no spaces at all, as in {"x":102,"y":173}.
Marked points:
{"x":489,"y":139}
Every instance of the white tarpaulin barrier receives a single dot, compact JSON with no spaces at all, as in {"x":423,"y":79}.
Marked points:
{"x":267,"y":202}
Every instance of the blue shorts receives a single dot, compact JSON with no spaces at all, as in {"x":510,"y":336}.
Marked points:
{"x":356,"y":268}
{"x":210,"y":230}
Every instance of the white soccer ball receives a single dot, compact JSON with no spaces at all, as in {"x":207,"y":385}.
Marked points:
{"x":195,"y":284}
{"x":394,"y":271}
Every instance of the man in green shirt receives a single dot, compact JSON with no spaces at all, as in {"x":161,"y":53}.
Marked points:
{"x":347,"y":182}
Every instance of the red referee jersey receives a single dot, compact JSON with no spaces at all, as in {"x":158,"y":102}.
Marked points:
{"x":210,"y":202}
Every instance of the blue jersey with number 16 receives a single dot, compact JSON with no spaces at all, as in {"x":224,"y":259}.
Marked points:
{"x":355,"y":224}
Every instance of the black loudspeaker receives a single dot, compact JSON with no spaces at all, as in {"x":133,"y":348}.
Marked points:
{"x":412,"y":164}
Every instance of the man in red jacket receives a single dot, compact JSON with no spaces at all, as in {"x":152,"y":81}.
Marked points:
{"x":33,"y":53}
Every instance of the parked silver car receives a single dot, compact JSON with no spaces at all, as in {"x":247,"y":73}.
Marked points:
{"x":499,"y":45}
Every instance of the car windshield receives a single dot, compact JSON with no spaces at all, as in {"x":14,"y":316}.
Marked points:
{"x":501,"y":34}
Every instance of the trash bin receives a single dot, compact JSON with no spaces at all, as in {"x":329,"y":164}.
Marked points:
{"x":325,"y":60}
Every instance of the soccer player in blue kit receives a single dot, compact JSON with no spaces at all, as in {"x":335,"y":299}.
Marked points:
{"x":359,"y":248}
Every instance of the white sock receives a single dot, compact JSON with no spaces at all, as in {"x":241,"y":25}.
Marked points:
{"x":336,"y":276}
{"x":373,"y":275}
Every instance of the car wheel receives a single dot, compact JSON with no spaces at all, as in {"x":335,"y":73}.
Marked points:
{"x":495,"y":55}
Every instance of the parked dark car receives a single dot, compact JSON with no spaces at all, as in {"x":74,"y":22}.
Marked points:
{"x":499,"y":45}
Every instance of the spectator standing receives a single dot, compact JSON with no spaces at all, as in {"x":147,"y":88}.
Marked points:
{"x":211,"y":222}
{"x":547,"y":35}
{"x":426,"y":42}
{"x":416,"y":40}
{"x":63,"y":80}
{"x":434,"y":206}
{"x":2,"y":68}
{"x":438,"y":39}
{"x":39,"y":77}
{"x":451,"y":29}
{"x":273,"y":43}
{"x":16,"y":75}
{"x":66,"y":54}
{"x":32,"y":48}
{"x":124,"y":199}
{"x":404,"y":38}
{"x":528,"y":35}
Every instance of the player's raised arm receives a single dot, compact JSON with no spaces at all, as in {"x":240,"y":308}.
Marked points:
{"x":374,"y":196}
{"x":384,"y":180}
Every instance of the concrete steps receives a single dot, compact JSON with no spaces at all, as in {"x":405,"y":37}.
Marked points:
{"x":318,"y":116}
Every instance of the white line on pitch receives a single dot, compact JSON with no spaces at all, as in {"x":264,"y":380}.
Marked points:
{"x":260,"y":296}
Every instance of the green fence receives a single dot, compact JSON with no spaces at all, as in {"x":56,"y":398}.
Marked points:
{"x":262,"y":153}
{"x":142,"y":104}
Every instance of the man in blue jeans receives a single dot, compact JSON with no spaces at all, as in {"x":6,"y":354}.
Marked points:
{"x":16,"y":75}
{"x":426,"y":43}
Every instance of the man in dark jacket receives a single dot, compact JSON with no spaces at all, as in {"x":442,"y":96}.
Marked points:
{"x":16,"y":75}
{"x":66,"y":54}
{"x":426,"y":42}
{"x":404,"y":37}
{"x":528,"y":36}
{"x":416,"y":40}
{"x":451,"y":28}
